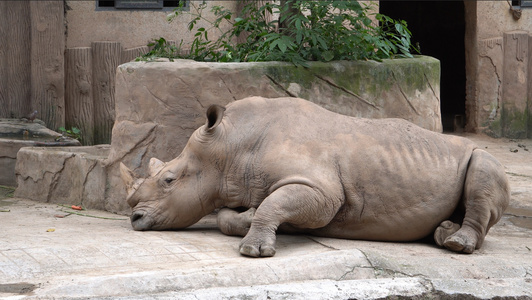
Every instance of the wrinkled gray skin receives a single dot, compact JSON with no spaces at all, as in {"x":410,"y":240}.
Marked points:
{"x":300,"y":167}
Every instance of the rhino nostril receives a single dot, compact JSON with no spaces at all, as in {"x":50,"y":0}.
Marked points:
{"x":136,"y":216}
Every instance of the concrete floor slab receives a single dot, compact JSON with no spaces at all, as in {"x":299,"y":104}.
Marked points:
{"x":51,"y":251}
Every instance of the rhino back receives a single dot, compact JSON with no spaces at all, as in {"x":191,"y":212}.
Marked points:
{"x":394,"y":178}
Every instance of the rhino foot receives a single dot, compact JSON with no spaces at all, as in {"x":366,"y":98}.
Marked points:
{"x":454,"y":238}
{"x":258,"y":243}
{"x":446,"y":229}
{"x":464,"y":240}
{"x":232,"y":222}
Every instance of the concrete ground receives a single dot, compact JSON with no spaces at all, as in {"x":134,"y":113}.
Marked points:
{"x":50,"y":251}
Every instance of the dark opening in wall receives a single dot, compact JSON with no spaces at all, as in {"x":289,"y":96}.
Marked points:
{"x":439,"y":28}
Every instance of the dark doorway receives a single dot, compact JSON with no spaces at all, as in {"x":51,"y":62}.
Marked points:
{"x":439,"y":28}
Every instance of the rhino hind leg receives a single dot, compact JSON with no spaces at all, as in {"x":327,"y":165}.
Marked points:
{"x":233,"y":222}
{"x":486,"y":196}
{"x":446,"y":229}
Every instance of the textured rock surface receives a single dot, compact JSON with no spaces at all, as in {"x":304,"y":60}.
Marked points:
{"x":15,"y":134}
{"x":66,"y":175}
{"x":160,"y":104}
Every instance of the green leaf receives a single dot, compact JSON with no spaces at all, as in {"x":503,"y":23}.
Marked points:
{"x":327,"y":55}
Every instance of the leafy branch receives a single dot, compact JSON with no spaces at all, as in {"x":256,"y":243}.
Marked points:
{"x":305,"y":31}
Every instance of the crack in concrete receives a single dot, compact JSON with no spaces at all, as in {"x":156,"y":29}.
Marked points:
{"x":280,"y":86}
{"x":227,"y":87}
{"x":499,"y":86}
{"x":159,"y":100}
{"x":431,"y":88}
{"x":138,"y":144}
{"x":195,"y":95}
{"x":517,"y":216}
{"x":91,"y":167}
{"x":392,"y":272}
{"x":331,"y":83}
{"x":273,"y":271}
{"x":518,"y":175}
{"x":404,"y":95}
{"x":322,"y":244}
{"x":56,"y":176}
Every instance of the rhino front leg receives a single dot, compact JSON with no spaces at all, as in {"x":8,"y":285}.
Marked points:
{"x":232,"y":222}
{"x":299,"y":205}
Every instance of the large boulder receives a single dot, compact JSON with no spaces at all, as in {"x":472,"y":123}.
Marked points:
{"x":159,"y":104}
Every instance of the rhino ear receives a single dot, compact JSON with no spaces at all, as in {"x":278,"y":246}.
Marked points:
{"x":215,"y":113}
{"x":155,"y":166}
{"x":128,"y":177}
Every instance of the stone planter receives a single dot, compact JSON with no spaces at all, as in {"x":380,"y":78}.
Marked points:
{"x":66,"y":175}
{"x":16,"y":134}
{"x":160,"y":104}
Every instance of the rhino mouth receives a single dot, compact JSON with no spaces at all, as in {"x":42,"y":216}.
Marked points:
{"x":140,"y":221}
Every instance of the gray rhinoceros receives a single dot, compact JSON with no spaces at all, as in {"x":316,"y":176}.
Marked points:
{"x":301,"y":168}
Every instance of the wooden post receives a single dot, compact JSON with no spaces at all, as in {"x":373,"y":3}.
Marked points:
{"x":4,"y":98}
{"x":47,"y":61}
{"x":15,"y":51}
{"x":79,"y":106}
{"x":529,"y":86}
{"x":132,"y":53}
{"x":106,"y":56}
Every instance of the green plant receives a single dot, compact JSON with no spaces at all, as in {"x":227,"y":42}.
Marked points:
{"x":305,"y":31}
{"x":72,"y":133}
{"x":160,"y":48}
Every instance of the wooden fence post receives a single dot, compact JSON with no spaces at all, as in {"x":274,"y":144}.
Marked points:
{"x":106,"y":56}
{"x":79,"y":105}
{"x":47,"y":61}
{"x":529,"y":86}
{"x":132,"y":53}
{"x":15,"y":66}
{"x":4,"y":98}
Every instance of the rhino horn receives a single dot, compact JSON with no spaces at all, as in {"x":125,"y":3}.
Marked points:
{"x":155,"y":166}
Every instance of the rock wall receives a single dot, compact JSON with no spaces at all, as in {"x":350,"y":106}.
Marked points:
{"x":160,"y":104}
{"x":64,"y":175}
{"x":501,"y":104}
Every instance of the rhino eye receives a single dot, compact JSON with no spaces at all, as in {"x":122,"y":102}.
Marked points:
{"x":168,"y":180}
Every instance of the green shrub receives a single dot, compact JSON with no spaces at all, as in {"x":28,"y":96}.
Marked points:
{"x":305,"y":31}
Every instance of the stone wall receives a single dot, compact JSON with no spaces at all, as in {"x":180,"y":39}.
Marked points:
{"x":504,"y":85}
{"x":499,"y":69}
{"x":132,"y":28}
{"x":160,"y":104}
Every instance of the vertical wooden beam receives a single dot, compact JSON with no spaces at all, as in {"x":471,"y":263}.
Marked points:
{"x":15,"y":69}
{"x":4,"y":98}
{"x":529,"y":86}
{"x":19,"y":59}
{"x":473,"y":122}
{"x":47,"y":61}
{"x":106,"y":56}
{"x":79,"y":106}
{"x":514,"y":86}
{"x":132,"y":53}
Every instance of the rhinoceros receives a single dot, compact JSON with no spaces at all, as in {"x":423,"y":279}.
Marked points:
{"x":289,"y":164}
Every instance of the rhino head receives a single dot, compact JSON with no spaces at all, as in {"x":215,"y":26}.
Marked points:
{"x":178,"y":193}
